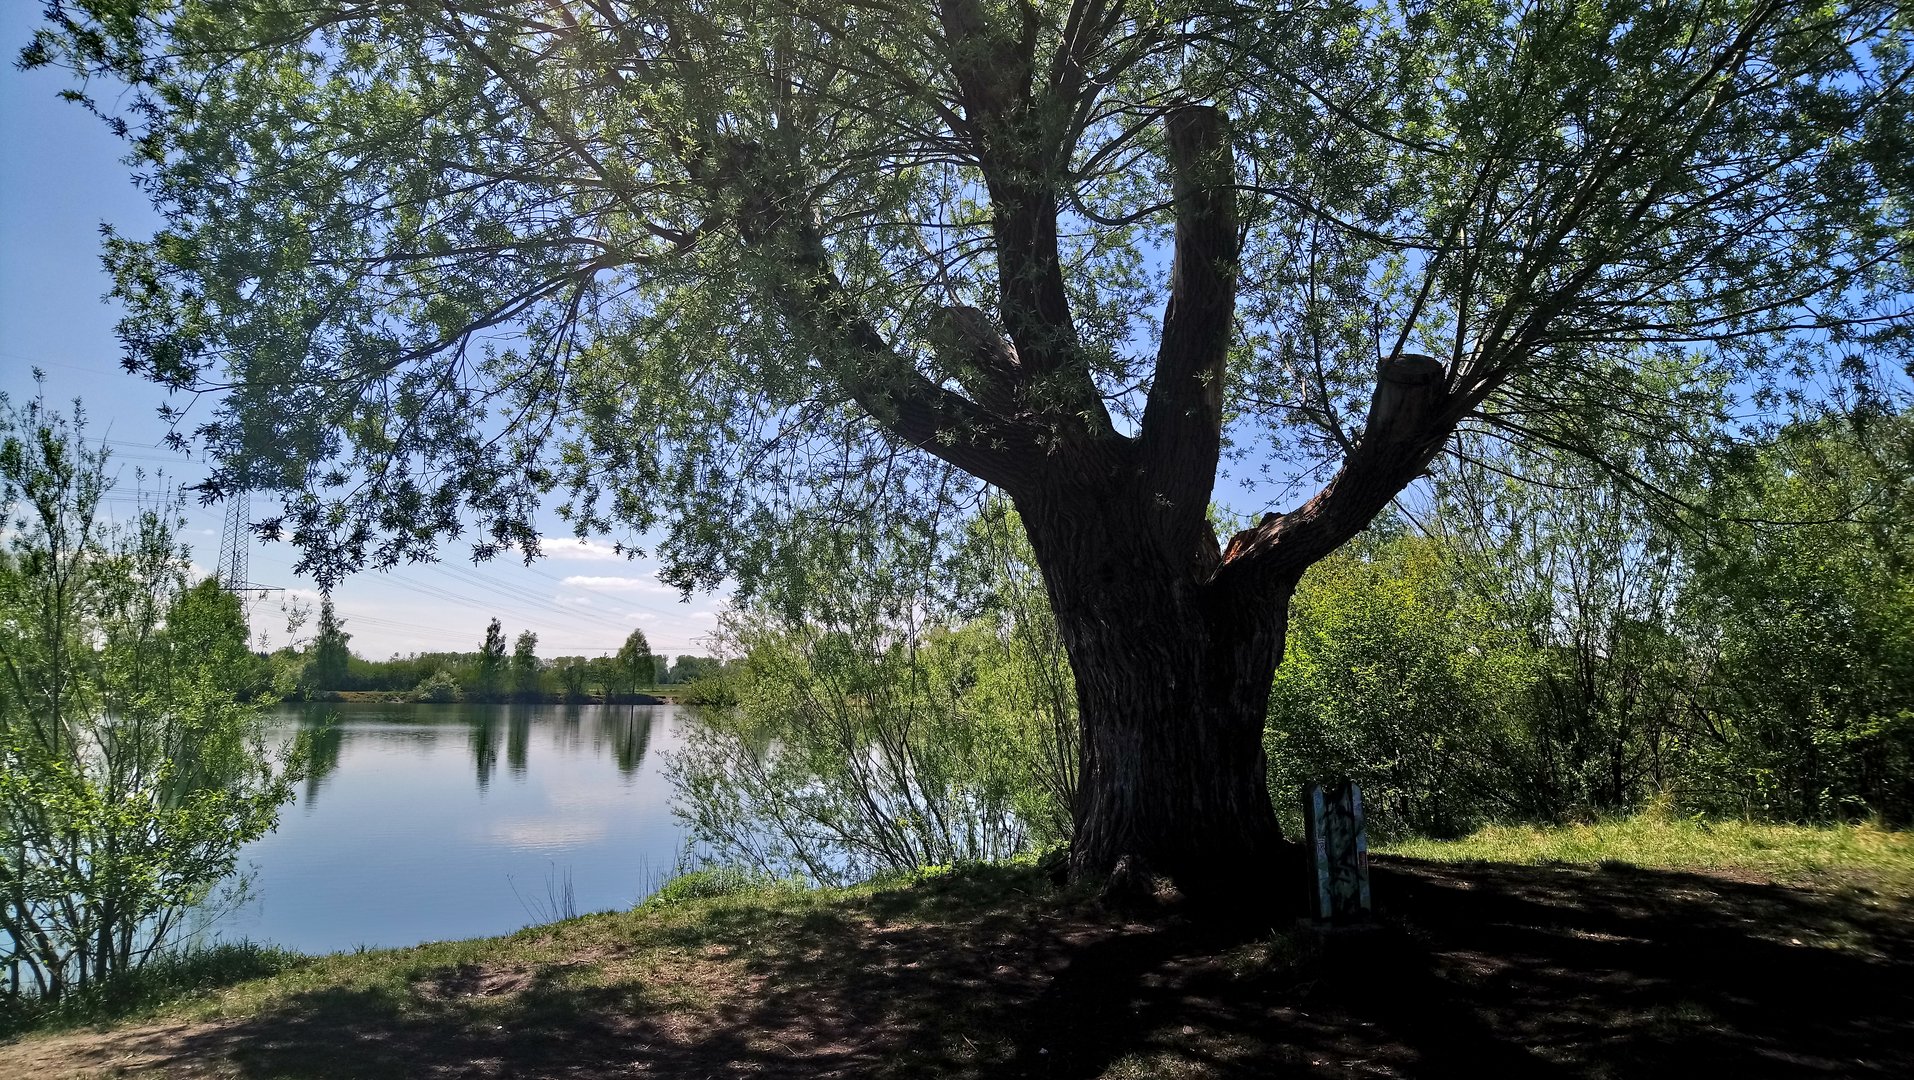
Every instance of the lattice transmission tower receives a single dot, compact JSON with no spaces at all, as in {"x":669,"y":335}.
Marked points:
{"x":235,"y":547}
{"x":235,"y":543}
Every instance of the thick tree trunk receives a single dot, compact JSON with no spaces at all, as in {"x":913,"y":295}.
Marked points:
{"x":1174,"y":642}
{"x":1173,"y":687}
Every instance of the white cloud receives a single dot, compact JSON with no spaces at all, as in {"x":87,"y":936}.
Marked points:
{"x":572,"y":549}
{"x":691,"y":622}
{"x":619,"y":584}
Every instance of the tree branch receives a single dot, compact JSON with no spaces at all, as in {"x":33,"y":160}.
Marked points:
{"x":1183,"y":418}
{"x":1410,"y":417}
{"x":773,"y":220}
{"x":1018,"y":147}
{"x":973,"y":351}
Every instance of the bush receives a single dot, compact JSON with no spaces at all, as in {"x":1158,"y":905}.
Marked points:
{"x":131,"y":772}
{"x":1394,"y":679}
{"x":440,"y":688}
{"x":874,"y":732}
{"x":717,"y":690}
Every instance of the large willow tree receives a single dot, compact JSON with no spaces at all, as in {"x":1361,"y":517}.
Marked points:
{"x":688,"y":265}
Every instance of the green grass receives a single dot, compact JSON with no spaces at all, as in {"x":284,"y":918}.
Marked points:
{"x":704,"y":935}
{"x":935,"y":973}
{"x":1793,"y":853}
{"x":237,"y":980}
{"x":159,"y":983}
{"x":660,"y":943}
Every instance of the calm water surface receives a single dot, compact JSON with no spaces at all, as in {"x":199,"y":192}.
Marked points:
{"x":429,"y":822}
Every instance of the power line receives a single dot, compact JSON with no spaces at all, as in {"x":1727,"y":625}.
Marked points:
{"x":603,"y":595}
{"x":350,"y":617}
{"x":494,"y":606}
{"x":517,"y":592}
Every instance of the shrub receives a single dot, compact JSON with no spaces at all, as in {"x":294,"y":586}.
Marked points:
{"x":439,"y":688}
{"x":131,"y":770}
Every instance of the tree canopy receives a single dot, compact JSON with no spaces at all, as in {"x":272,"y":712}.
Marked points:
{"x":634,"y":662}
{"x":688,"y":262}
{"x":331,"y":659}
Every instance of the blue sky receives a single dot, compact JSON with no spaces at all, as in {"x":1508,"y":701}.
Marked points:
{"x":60,"y":177}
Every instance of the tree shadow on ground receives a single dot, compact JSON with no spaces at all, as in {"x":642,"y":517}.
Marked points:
{"x":1487,"y":969}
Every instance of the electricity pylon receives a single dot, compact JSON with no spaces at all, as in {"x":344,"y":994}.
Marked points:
{"x":235,"y":547}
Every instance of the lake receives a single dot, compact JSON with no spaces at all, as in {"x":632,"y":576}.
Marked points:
{"x":431,"y":822}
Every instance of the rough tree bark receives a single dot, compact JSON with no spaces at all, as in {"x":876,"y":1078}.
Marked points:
{"x":1172,"y":682}
{"x":1174,"y":645}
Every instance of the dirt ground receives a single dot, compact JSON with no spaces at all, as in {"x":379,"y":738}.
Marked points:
{"x":1470,"y":970}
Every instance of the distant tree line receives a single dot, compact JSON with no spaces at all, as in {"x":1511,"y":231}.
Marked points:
{"x":496,"y":673}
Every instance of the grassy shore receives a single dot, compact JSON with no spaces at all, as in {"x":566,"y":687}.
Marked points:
{"x":1635,"y":948}
{"x":1791,"y":854}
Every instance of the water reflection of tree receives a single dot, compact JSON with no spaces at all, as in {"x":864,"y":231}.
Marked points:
{"x":629,"y":728}
{"x":317,"y":755}
{"x":568,"y":734}
{"x":518,"y":737}
{"x":485,"y":744}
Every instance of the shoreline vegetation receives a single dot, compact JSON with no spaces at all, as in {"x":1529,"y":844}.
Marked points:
{"x":325,"y":669}
{"x":1575,"y":949}
{"x":676,"y":695}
